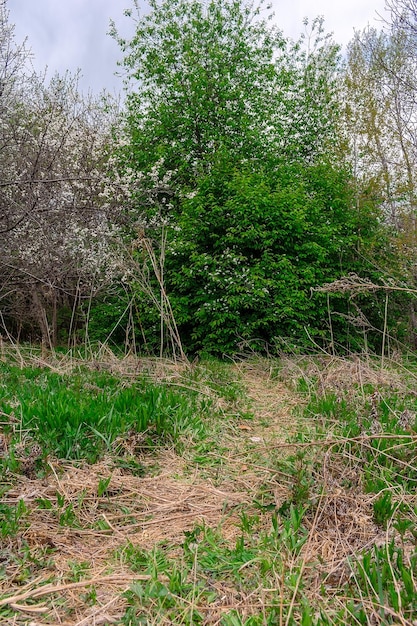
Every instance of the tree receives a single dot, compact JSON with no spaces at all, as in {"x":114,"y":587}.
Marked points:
{"x":13,"y":61}
{"x":403,"y":17}
{"x":60,"y":198}
{"x":381,"y":124}
{"x":235,"y":131}
{"x":204,"y":78}
{"x":380,"y":129}
{"x":60,"y":204}
{"x":249,"y":248}
{"x":382,"y":116}
{"x":218,"y":77}
{"x":308,"y":102}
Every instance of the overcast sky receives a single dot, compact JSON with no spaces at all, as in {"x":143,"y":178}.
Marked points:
{"x":72,"y":34}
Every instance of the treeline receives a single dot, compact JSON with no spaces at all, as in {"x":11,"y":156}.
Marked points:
{"x":252,"y":192}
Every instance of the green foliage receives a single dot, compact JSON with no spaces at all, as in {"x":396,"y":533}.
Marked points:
{"x":235,"y":133}
{"x":249,"y":247}
{"x":182,"y":590}
{"x":204,"y":80}
{"x":383,"y":509}
{"x":127,"y":320}
{"x":11,"y":518}
{"x":387,"y":459}
{"x":107,"y":318}
{"x":219,"y":76}
{"x":80,"y":416}
{"x":387,"y":579}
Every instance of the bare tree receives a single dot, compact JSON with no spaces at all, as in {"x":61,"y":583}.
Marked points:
{"x":381,"y":125}
{"x":381,"y":117}
{"x":403,"y":16}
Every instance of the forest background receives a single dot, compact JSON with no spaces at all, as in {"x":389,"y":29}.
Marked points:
{"x":251,"y":193}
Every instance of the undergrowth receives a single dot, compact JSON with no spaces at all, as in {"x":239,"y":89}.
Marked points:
{"x":243,"y":527}
{"x":84,"y":414}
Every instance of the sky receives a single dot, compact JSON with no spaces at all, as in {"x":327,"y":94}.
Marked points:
{"x":72,"y":34}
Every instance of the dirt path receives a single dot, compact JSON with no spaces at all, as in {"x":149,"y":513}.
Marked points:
{"x":272,"y":403}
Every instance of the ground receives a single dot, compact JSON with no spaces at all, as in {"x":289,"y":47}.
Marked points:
{"x":239,"y":522}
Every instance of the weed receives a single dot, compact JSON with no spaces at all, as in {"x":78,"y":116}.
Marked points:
{"x":299,"y":545}
{"x":383,"y":509}
{"x":68,"y":517}
{"x":11,"y":517}
{"x":90,"y":598}
{"x":131,"y":465}
{"x":293,"y":534}
{"x":387,"y":579}
{"x":80,"y":416}
{"x":218,"y":377}
{"x":103,"y":486}
{"x":79,"y":570}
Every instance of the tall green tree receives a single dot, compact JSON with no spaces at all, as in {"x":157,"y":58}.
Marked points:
{"x":218,"y":77}
{"x":235,"y":131}
{"x":203,"y":79}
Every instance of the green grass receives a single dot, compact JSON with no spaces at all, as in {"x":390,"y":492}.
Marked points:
{"x":81,"y":415}
{"x":188,"y":588}
{"x":12,"y":518}
{"x":346,"y":481}
{"x":372,"y":431}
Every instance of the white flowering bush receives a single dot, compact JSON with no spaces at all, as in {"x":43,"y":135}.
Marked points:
{"x":62,"y":200}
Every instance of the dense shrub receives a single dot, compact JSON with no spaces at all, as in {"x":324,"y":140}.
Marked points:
{"x":250,"y":246}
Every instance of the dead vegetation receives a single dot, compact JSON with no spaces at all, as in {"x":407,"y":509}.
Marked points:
{"x":81,"y":520}
{"x":141,"y":512}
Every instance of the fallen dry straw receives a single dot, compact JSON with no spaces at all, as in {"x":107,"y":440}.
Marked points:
{"x":46,"y":590}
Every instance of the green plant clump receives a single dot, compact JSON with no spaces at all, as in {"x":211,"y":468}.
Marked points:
{"x":80,"y":416}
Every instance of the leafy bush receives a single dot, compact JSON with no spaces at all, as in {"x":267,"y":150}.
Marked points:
{"x":249,"y":248}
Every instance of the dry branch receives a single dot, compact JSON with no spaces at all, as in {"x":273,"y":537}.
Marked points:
{"x":47,"y":590}
{"x":354,"y":284}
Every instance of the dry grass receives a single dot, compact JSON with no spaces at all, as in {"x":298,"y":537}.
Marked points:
{"x":334,"y":374}
{"x":154,"y":510}
{"x":272,"y":400}
{"x":101,"y":359}
{"x":140,"y":511}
